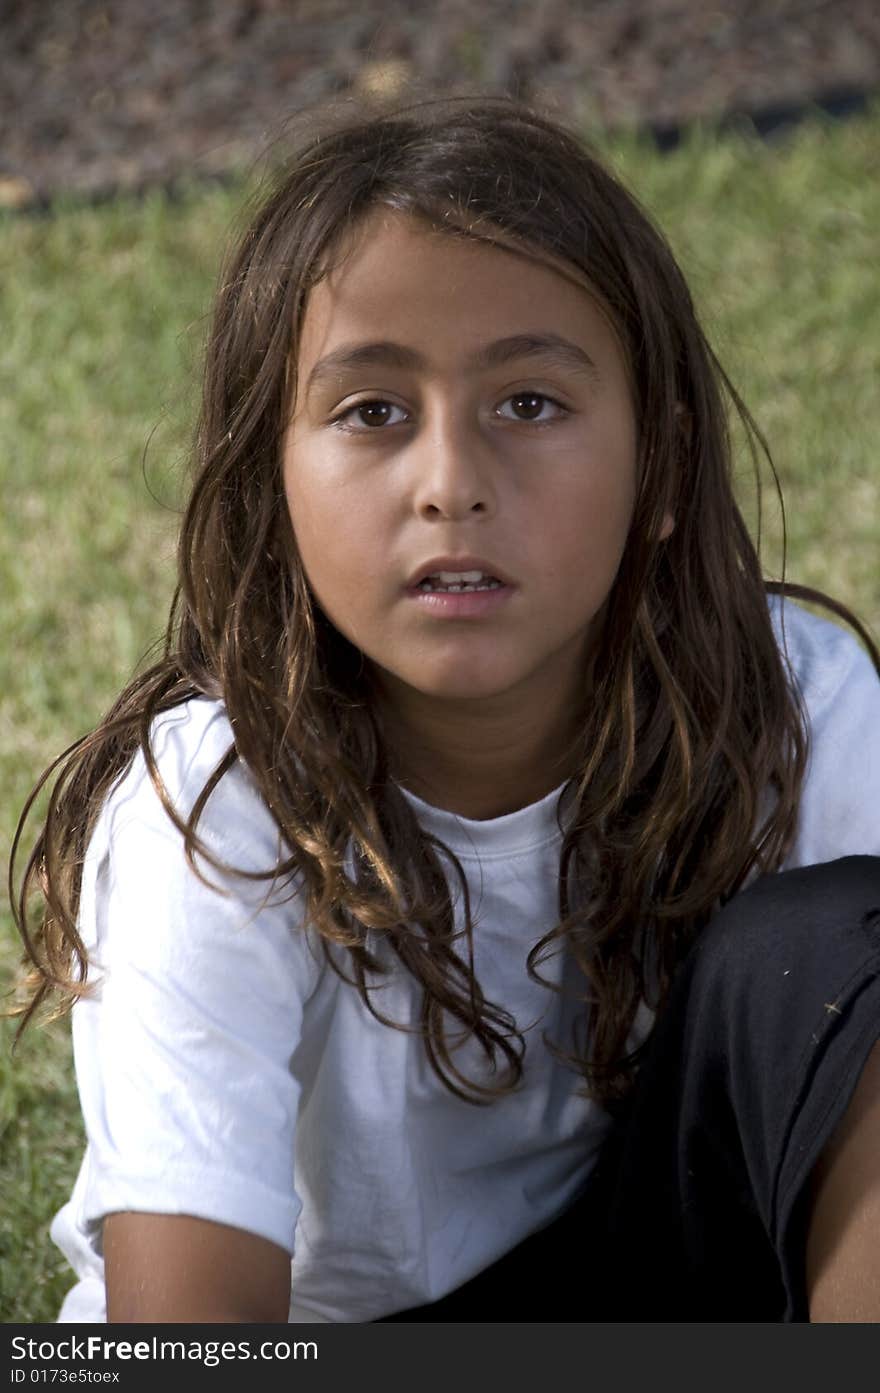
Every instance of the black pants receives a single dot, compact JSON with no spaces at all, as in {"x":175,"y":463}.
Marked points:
{"x":698,"y":1209}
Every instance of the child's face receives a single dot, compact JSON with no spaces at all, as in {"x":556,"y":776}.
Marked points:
{"x":525,"y":463}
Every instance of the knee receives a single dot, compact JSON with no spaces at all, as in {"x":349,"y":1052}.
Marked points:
{"x":810,"y":921}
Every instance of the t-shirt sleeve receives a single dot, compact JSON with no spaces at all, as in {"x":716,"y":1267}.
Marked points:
{"x":839,"y":813}
{"x":186,"y":1058}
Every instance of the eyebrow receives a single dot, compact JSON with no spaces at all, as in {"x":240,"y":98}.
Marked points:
{"x":552,"y":348}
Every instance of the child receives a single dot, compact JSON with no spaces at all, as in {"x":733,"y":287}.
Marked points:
{"x":473,"y":715}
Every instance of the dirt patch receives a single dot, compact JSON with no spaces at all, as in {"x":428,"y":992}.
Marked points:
{"x":97,"y":95}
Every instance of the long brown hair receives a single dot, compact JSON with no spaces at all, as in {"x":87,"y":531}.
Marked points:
{"x":692,"y":719}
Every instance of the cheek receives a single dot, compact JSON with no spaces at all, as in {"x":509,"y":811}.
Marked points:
{"x":314,"y":504}
{"x":338,"y":543}
{"x":590,"y":519}
{"x":311,"y":516}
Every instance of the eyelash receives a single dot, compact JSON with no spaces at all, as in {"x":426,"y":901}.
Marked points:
{"x":340,"y":422}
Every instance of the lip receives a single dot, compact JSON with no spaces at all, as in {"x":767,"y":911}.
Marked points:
{"x":458,"y":563}
{"x":460,"y":604}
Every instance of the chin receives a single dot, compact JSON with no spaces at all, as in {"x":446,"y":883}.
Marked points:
{"x":459,"y":686}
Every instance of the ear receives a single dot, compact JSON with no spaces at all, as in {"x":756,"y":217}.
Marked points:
{"x":667,"y":527}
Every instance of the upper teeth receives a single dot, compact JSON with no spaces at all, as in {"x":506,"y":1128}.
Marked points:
{"x":459,"y":580}
{"x":453,"y":577}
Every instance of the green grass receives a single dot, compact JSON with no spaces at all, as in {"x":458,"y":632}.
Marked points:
{"x":103,"y":316}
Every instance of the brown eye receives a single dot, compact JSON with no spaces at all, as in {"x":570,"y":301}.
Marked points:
{"x":374,"y":413}
{"x":530,"y":403}
{"x":529,"y":407}
{"x":366,"y":416}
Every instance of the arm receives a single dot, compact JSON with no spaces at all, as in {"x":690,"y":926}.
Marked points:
{"x":170,"y":1267}
{"x":186,"y":1056}
{"x":843,"y":1240}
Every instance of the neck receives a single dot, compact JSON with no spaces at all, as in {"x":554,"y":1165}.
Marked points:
{"x":480,"y":759}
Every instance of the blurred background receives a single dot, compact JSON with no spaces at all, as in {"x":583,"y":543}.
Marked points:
{"x":99,"y":96}
{"x":128,"y":135}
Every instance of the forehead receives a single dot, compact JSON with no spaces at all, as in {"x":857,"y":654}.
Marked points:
{"x":398,"y":272}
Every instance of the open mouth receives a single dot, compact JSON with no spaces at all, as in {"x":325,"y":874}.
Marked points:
{"x":461,"y":595}
{"x":452,"y":583}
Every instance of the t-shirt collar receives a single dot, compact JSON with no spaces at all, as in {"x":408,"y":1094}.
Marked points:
{"x":509,"y":835}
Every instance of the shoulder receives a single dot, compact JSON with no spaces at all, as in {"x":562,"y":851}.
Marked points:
{"x":189,"y":740}
{"x":142,"y":888}
{"x":839,"y":811}
{"x":188,"y":744}
{"x":826,"y":662}
{"x":180,"y":911}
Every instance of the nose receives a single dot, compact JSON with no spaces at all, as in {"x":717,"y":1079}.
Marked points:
{"x":453,"y":474}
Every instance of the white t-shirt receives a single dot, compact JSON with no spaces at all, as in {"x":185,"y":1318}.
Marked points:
{"x":227,"y":1072}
